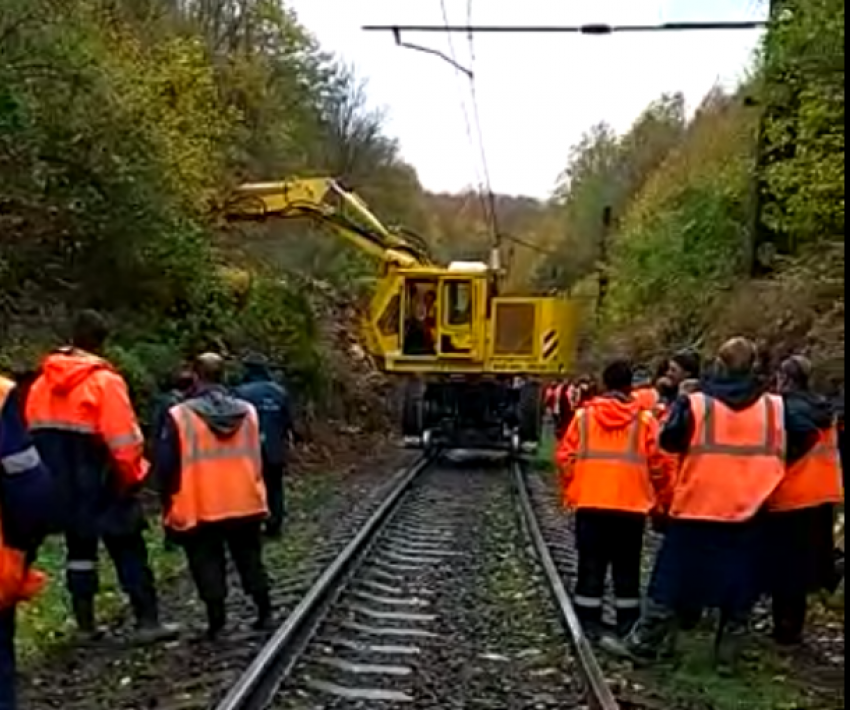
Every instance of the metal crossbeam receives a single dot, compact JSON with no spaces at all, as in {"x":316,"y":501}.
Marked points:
{"x":589,"y":29}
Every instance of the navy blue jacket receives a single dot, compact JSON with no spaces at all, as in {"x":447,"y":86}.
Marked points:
{"x":26,"y":487}
{"x":739,"y":393}
{"x":274,"y":407}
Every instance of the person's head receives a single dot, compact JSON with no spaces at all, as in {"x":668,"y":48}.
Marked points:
{"x":642,"y":378}
{"x":684,"y":365}
{"x":618,"y":376}
{"x":795,"y":374}
{"x":666,"y":388}
{"x":737,"y":357}
{"x":183,"y":379}
{"x":256,"y":366}
{"x":210,"y":369}
{"x":90,"y":332}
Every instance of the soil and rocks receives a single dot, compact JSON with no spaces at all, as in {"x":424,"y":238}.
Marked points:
{"x":330,"y":489}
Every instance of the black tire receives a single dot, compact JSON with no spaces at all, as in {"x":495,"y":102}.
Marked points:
{"x":530,"y":413}
{"x":413,"y":410}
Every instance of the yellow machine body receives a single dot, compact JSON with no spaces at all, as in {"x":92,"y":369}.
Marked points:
{"x":472,"y":355}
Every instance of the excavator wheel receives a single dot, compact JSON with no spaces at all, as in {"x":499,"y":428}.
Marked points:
{"x":530,"y":413}
{"x":413,"y":410}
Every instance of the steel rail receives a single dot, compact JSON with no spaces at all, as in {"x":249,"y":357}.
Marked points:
{"x":257,"y":687}
{"x":600,"y":694}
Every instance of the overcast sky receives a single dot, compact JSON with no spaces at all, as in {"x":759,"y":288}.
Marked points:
{"x":537,"y":93}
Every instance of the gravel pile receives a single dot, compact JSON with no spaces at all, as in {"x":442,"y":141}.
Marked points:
{"x":191,"y":673}
{"x":447,"y":612}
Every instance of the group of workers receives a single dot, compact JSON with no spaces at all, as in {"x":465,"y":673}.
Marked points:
{"x":73,"y":462}
{"x":742,"y":477}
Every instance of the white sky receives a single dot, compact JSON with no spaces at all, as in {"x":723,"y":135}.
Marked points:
{"x":537,"y":93}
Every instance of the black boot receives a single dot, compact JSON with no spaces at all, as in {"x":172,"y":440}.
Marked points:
{"x":149,"y":629}
{"x":626,"y":620}
{"x":264,"y":611}
{"x":591,"y":621}
{"x":84,"y":615}
{"x":216,"y":619}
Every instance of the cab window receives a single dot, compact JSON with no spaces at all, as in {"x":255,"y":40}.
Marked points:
{"x":458,"y":303}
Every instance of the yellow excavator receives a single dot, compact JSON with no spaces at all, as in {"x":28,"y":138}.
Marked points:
{"x":473,"y":359}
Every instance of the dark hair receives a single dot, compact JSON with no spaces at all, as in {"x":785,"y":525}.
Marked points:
{"x":90,"y":331}
{"x":690,"y":361}
{"x":618,"y":376}
{"x":798,"y":370}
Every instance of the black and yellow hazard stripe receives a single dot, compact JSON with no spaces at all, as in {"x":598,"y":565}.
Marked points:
{"x":550,"y":344}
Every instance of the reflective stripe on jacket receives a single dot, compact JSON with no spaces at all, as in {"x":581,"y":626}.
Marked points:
{"x":814,"y":480}
{"x":220,"y":479}
{"x":18,"y":461}
{"x":735,"y":460}
{"x":612,"y":468}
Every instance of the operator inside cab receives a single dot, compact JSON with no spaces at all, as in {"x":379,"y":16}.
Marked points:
{"x":420,"y":337}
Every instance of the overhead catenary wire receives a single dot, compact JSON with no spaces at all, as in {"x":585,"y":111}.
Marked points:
{"x":596,"y":29}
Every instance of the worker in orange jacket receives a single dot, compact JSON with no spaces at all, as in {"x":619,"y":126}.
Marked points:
{"x":802,"y":510}
{"x":210,"y":463}
{"x":734,"y":439}
{"x":26,"y":509}
{"x":83,"y":424}
{"x":612,"y":476}
{"x":644,"y":391}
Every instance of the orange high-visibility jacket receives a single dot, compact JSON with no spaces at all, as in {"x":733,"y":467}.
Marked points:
{"x":220,"y":479}
{"x":816,"y":479}
{"x":610,"y":460}
{"x":646,"y":397}
{"x":18,"y":582}
{"x":735,"y":460}
{"x":80,"y":394}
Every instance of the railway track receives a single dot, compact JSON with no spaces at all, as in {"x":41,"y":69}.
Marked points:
{"x":406,"y":616}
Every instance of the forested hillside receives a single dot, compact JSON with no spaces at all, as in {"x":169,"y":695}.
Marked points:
{"x":681,"y":251}
{"x":124,"y":122}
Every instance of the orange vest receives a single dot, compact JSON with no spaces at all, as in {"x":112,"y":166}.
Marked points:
{"x":220,"y":479}
{"x":735,"y":461}
{"x":611,"y":472}
{"x":646,"y":397}
{"x":814,"y":480}
{"x":18,"y":583}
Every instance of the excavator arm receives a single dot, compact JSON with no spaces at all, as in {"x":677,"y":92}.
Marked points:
{"x":330,"y":205}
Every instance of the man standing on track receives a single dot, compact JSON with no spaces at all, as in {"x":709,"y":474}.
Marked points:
{"x":733,"y":440}
{"x":802,"y":509}
{"x":83,"y":424}
{"x":26,"y":511}
{"x":214,"y":498}
{"x":272,"y":403}
{"x":613,"y":476}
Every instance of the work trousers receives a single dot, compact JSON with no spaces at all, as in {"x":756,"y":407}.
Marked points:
{"x":129,"y":555}
{"x":7,"y":660}
{"x":206,"y":549}
{"x":273,"y":475}
{"x":609,"y":539}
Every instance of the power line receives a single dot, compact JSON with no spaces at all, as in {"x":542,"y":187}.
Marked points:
{"x":587,"y":29}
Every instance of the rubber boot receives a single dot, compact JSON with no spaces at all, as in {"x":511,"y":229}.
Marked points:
{"x":591,"y":621}
{"x":216,"y":619}
{"x":728,"y":649}
{"x":626,"y":620}
{"x":149,"y":629}
{"x":264,"y":611}
{"x":84,"y":615}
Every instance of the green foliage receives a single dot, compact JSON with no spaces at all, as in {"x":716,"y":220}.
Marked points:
{"x":121,"y":122}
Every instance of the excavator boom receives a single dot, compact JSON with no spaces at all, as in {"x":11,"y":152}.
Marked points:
{"x":330,"y":205}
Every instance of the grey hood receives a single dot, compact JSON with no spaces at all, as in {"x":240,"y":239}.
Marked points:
{"x":222,"y":413}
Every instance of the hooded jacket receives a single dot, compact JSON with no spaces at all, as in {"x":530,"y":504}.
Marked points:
{"x":221,"y":412}
{"x":635,"y":478}
{"x":274,"y":409}
{"x":84,"y":427}
{"x":739,"y":393}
